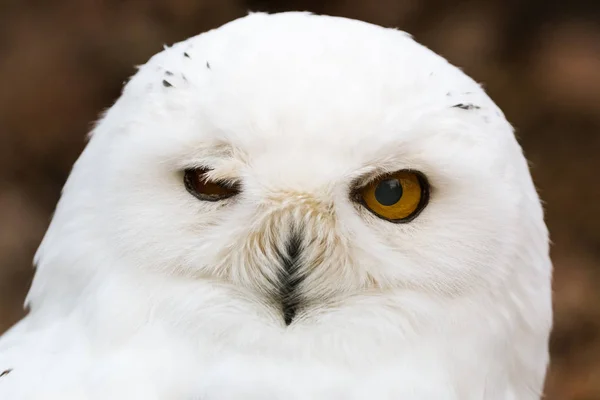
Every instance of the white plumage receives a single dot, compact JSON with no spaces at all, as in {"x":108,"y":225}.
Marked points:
{"x":144,"y":291}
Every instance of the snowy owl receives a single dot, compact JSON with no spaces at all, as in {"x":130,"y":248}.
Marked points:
{"x":291,"y":206}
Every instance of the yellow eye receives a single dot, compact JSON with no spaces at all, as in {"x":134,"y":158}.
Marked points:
{"x":198,"y":184}
{"x":396,"y":197}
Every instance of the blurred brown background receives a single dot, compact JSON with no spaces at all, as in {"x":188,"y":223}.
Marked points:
{"x":63,"y":61}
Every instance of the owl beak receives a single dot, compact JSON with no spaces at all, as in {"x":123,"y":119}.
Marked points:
{"x":290,"y":279}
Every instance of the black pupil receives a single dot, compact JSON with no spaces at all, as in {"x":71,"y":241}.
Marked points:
{"x":388,"y":192}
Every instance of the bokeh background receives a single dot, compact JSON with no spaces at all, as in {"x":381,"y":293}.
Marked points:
{"x":63,"y":61}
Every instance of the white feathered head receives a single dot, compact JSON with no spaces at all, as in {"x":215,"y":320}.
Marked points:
{"x":307,"y":164}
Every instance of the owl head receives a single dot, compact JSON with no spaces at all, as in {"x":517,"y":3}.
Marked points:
{"x":303,"y":162}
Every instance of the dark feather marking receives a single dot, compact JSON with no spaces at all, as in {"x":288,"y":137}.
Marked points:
{"x":5,"y":372}
{"x":207,"y":65}
{"x":186,"y":55}
{"x":168,"y":73}
{"x":466,"y":106}
{"x":166,"y":84}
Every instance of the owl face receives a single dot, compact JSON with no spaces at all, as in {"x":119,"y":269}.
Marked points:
{"x":305,"y":166}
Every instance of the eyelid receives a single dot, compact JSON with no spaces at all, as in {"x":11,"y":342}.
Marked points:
{"x":363,"y":178}
{"x":209,"y":190}
{"x":366,"y":178}
{"x":217,"y":174}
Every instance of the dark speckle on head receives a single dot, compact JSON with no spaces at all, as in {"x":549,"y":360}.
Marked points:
{"x":185,"y":54}
{"x":5,"y":372}
{"x":166,"y":84}
{"x":466,"y":106}
{"x":168,"y":73}
{"x":207,"y":65}
{"x":449,"y":94}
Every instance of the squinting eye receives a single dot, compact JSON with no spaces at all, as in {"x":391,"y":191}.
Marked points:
{"x":197,"y":183}
{"x":396,"y":197}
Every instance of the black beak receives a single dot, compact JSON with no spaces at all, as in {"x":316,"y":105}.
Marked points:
{"x":290,"y":278}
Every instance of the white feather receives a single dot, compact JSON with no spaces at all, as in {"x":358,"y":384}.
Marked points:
{"x":144,"y":292}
